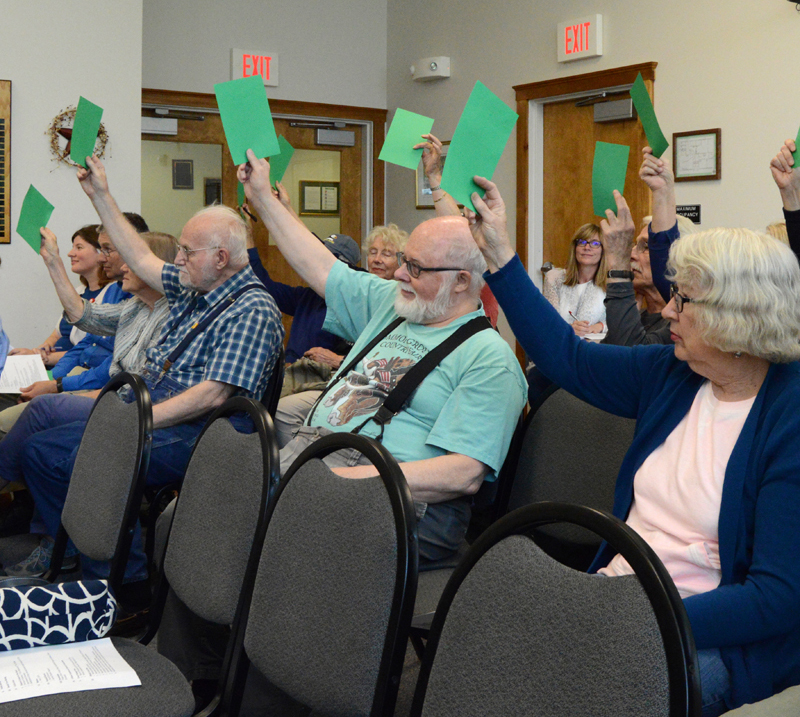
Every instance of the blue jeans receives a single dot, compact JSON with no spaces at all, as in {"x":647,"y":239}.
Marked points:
{"x":715,"y":682}
{"x":41,"y":449}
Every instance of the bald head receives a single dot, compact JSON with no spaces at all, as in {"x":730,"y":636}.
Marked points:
{"x":223,"y":227}
{"x":451,"y":242}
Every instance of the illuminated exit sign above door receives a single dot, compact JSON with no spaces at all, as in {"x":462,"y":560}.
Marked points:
{"x":245,"y":63}
{"x":580,"y":38}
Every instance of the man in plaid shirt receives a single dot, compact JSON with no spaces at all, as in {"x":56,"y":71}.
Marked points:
{"x":222,"y":337}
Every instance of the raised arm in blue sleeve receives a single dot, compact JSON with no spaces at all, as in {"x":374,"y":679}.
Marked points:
{"x":658,"y":244}
{"x":286,"y":297}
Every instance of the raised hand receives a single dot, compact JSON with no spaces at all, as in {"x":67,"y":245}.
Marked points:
{"x":431,"y":158}
{"x":93,"y":179}
{"x":254,"y":176}
{"x":49,"y":248}
{"x":489,"y":225}
{"x":618,"y":229}
{"x":656,"y":172}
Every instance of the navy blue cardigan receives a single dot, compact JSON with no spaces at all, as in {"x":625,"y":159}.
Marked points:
{"x":754,"y":614}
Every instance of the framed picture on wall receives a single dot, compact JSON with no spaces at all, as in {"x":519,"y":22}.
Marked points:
{"x":212,"y":189}
{"x":424,"y":194}
{"x":319,"y":199}
{"x":183,"y":174}
{"x":5,"y":161}
{"x":696,"y":155}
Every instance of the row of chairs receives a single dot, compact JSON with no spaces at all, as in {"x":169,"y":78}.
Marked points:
{"x":321,"y":601}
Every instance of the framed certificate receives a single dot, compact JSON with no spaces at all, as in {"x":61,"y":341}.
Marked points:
{"x":696,"y":155}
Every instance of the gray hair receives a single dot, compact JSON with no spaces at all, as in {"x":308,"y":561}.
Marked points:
{"x":230,"y":232}
{"x":393,"y":236}
{"x":749,"y":287}
{"x":463,"y":252}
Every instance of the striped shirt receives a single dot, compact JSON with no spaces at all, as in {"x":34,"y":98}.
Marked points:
{"x":238,"y":348}
{"x":134,"y":324}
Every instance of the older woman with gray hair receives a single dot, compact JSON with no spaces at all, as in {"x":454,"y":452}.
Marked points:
{"x":712,"y":478}
{"x":384,"y":243}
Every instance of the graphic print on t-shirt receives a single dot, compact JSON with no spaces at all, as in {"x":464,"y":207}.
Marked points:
{"x":362,"y":393}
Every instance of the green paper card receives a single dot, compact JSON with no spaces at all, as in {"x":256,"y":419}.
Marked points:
{"x":246,"y":118}
{"x":796,"y":153}
{"x":644,"y":107}
{"x":406,"y":130}
{"x":240,"y":193}
{"x":84,"y":131}
{"x":478,"y":143}
{"x":279,"y":162}
{"x":34,"y":215}
{"x":608,"y":174}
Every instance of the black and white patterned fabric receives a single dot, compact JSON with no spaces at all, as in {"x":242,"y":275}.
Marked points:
{"x":55,"y":614}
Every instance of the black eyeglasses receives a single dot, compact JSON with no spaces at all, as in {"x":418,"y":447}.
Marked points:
{"x":585,"y":242}
{"x":680,"y":299}
{"x":414,"y":269}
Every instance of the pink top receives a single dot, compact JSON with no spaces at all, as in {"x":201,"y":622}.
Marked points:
{"x":678,"y":490}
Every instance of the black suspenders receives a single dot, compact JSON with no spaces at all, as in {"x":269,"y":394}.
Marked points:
{"x":407,"y":385}
{"x":199,"y":326}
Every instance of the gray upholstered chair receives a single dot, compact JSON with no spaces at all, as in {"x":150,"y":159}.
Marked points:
{"x":108,"y":479}
{"x":570,"y":452}
{"x":784,"y":704}
{"x":518,"y":633}
{"x":332,"y":600}
{"x":566,"y":450}
{"x":213,"y":536}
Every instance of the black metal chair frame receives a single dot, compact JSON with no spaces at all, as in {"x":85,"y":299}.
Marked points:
{"x":138,"y":479}
{"x":681,"y":657}
{"x":272,"y":394}
{"x":157,"y":497}
{"x":266,"y":432}
{"x":399,"y":622}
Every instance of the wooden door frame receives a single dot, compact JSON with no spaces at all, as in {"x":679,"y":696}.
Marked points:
{"x":374,"y":117}
{"x":529,"y":132}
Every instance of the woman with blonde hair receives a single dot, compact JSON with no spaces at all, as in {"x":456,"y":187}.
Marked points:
{"x":711,"y":480}
{"x":578,"y":292}
{"x":383,"y":244}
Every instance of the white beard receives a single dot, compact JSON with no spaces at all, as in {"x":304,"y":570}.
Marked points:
{"x":424,"y":311}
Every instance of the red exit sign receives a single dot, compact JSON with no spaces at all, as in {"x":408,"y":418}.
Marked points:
{"x":246,"y":63}
{"x":580,"y":38}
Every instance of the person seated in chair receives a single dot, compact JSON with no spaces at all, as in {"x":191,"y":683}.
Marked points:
{"x":712,"y":479}
{"x":221,"y":339}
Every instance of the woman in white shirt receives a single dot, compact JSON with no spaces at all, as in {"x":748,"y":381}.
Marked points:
{"x":578,"y":292}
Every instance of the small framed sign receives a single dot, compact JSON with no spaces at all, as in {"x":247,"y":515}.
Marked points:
{"x":319,"y":199}
{"x":696,"y":156}
{"x":183,"y":174}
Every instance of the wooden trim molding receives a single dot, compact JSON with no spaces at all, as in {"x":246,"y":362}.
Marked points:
{"x":589,"y":81}
{"x":200,"y":100}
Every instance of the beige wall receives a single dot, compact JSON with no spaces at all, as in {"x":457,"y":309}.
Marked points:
{"x":167,"y":209}
{"x":721,"y":63}
{"x":51,"y":62}
{"x":332,"y":51}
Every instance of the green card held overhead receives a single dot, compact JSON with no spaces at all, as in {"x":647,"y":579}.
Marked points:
{"x":478,"y":143}
{"x":246,"y":118}
{"x":84,"y":131}
{"x":608,"y":174}
{"x":35,"y":213}
{"x":644,"y":107}
{"x":279,"y":162}
{"x":240,"y":193}
{"x":405,"y":131}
